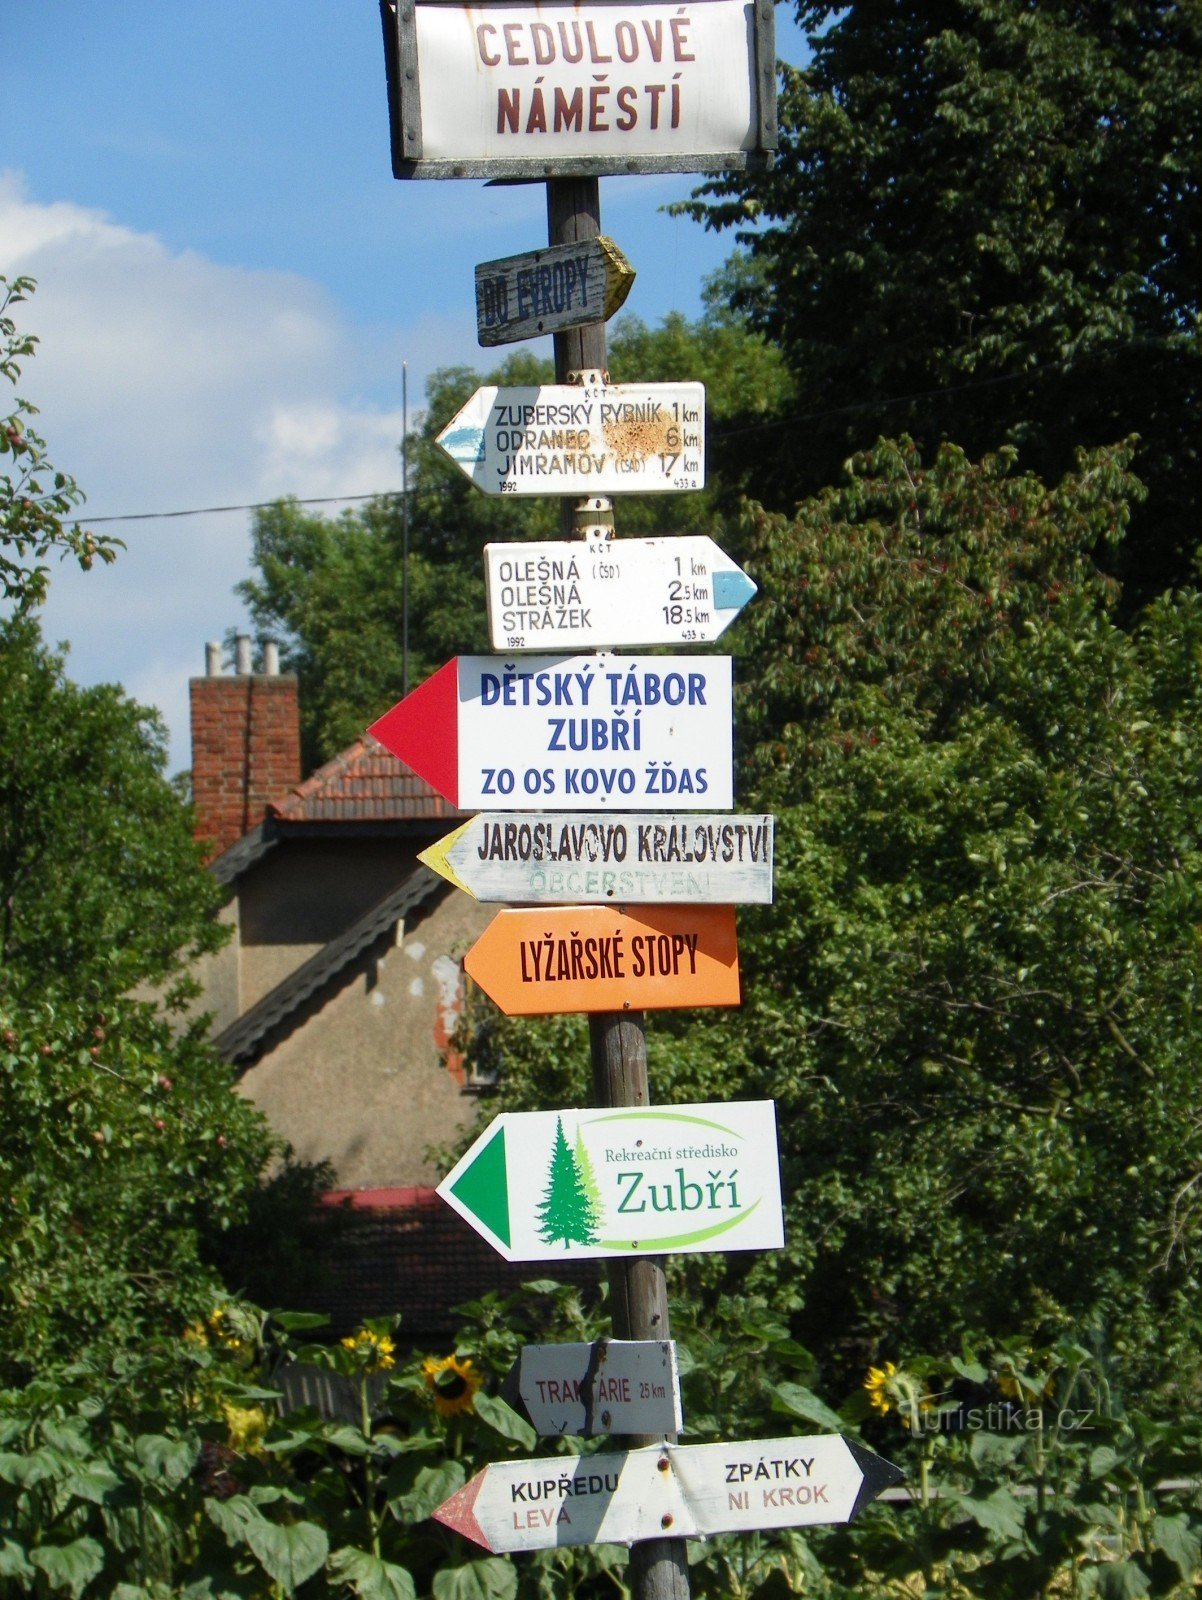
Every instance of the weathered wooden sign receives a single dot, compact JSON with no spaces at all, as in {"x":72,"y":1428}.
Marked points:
{"x":656,"y":1180}
{"x":591,"y":732}
{"x":611,"y":1386}
{"x":507,"y":89}
{"x":596,"y":958}
{"x":560,"y":286}
{"x":626,"y":858}
{"x":560,"y":438}
{"x":684,"y":1491}
{"x":602,"y":594}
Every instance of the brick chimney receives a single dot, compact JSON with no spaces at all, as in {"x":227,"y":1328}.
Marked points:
{"x":245,"y":742}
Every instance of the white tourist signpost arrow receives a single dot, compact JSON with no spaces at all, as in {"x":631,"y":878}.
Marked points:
{"x":656,"y":1180}
{"x":587,"y":439}
{"x":610,"y":1386}
{"x":687,"y":1491}
{"x":608,"y":594}
{"x":594,"y":733}
{"x":624,"y":858}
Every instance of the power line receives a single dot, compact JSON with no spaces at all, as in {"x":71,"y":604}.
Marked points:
{"x":255,"y":505}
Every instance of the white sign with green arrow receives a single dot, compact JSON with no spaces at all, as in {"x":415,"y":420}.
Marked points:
{"x":656,"y":1180}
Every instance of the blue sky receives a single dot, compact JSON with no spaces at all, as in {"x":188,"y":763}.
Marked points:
{"x":229,"y":281}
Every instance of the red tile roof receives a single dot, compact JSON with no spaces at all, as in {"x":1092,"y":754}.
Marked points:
{"x":365,"y":783}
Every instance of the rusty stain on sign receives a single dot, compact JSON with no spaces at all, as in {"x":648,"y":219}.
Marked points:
{"x":636,"y":438}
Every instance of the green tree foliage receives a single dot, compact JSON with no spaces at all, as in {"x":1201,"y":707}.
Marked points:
{"x":123,"y":1150}
{"x":123,"y":1154}
{"x":978,"y":989}
{"x":331,"y":589}
{"x":34,"y":497}
{"x":101,"y":883}
{"x":975,"y":999}
{"x":983,"y":225}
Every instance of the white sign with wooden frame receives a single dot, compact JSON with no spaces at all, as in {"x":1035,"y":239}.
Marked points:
{"x":511,"y":89}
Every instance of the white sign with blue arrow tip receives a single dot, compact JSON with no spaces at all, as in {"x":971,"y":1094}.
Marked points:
{"x":591,"y":438}
{"x":599,"y":593}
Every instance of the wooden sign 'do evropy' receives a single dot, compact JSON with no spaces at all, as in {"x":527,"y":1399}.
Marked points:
{"x":545,"y":291}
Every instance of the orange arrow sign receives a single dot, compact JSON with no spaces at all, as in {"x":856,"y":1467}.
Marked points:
{"x":595,"y":958}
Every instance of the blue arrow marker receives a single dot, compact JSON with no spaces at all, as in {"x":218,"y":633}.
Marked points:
{"x":732,"y":590}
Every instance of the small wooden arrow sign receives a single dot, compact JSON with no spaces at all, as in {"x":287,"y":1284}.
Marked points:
{"x":581,"y":438}
{"x":678,"y":1491}
{"x":612,"y":1386}
{"x":611,"y":593}
{"x":627,"y":858}
{"x":556,"y":1185}
{"x":545,"y":291}
{"x":590,"y":732}
{"x":596,"y":958}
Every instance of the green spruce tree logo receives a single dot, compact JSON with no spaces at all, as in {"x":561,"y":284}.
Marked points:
{"x":566,"y":1211}
{"x":589,"y":1179}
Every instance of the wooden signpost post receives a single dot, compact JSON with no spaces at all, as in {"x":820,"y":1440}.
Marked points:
{"x":591,"y":438}
{"x":518,"y":90}
{"x":546,"y":291}
{"x":610,"y":593}
{"x":624,"y":858}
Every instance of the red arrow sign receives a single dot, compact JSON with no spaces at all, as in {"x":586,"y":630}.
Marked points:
{"x":586,"y":732}
{"x":423,"y":729}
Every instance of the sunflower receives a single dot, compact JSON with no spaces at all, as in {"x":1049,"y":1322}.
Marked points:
{"x":892,"y":1388}
{"x":877,"y":1385}
{"x":453,"y":1383}
{"x":374,"y":1352}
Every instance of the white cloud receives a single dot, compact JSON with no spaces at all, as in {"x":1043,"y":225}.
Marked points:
{"x":167,"y":381}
